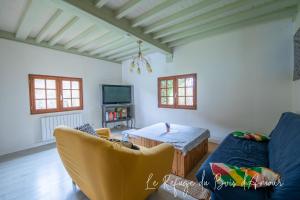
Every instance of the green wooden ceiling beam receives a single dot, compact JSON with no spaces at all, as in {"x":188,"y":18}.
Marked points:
{"x":219,"y":13}
{"x":242,"y":16}
{"x":28,"y":19}
{"x":114,"y":46}
{"x":181,"y":15}
{"x":31,"y":41}
{"x":126,"y":47}
{"x":47,"y":27}
{"x":128,"y":52}
{"x":101,"y":3}
{"x":77,"y":39}
{"x":59,"y":35}
{"x":107,"y":45}
{"x":128,"y":7}
{"x":145,"y":52}
{"x":106,"y":17}
{"x":152,"y":13}
{"x":102,"y":37}
{"x":285,"y":13}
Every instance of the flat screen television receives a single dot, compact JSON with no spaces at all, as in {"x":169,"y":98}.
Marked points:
{"x":116,"y":94}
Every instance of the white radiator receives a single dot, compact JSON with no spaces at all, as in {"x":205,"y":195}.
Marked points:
{"x":50,"y":123}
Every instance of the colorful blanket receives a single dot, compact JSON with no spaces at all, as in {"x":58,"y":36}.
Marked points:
{"x":259,"y":137}
{"x":252,"y":177}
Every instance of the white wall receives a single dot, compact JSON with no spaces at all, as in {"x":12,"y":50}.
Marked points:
{"x":244,"y":80}
{"x":19,"y":129}
{"x":296,"y":84}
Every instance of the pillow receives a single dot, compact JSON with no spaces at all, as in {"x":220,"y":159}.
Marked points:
{"x":124,"y":144}
{"x":87,"y":128}
{"x":259,"y":137}
{"x":251,"y":177}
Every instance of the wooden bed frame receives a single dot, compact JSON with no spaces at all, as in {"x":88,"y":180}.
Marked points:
{"x":182,"y":164}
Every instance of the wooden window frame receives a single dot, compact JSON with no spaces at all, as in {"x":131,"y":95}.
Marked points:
{"x":175,"y":91}
{"x":59,"y":96}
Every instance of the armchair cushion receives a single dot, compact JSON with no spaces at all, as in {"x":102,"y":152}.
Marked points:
{"x":103,"y":132}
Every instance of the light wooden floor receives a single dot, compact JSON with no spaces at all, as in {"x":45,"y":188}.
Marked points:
{"x":41,"y":175}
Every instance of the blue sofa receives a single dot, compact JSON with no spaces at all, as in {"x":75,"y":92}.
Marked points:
{"x":281,"y":154}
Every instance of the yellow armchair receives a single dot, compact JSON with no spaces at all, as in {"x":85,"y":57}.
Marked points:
{"x":103,"y":132}
{"x":107,"y":171}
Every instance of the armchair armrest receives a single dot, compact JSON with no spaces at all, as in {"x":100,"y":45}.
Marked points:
{"x":103,"y":132}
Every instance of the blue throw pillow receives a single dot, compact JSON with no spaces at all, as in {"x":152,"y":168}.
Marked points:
{"x":87,"y":128}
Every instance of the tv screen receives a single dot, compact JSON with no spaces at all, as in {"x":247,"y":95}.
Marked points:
{"x":114,"y":94}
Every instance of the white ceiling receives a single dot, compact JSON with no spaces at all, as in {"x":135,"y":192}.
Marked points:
{"x":109,"y":29}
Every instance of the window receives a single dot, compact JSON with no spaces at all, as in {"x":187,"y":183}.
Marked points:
{"x":178,"y":91}
{"x":54,"y":94}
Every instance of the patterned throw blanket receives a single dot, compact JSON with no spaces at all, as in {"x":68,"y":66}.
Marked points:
{"x":259,"y":137}
{"x":252,"y":177}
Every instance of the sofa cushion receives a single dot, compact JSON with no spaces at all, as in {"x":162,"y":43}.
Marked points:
{"x":284,"y":156}
{"x":87,"y":128}
{"x":241,"y":153}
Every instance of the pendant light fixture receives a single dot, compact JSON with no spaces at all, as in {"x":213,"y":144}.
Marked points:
{"x":140,"y":61}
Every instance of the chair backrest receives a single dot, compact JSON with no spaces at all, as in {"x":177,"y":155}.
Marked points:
{"x":284,"y":156}
{"x":93,"y":163}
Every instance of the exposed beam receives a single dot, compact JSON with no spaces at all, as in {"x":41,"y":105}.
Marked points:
{"x":242,"y":16}
{"x":114,"y":46}
{"x":46,"y":28}
{"x":108,"y":36}
{"x":127,"y":8}
{"x":106,"y":17}
{"x":126,"y":47}
{"x":28,"y":20}
{"x":145,"y":52}
{"x":285,"y":13}
{"x":101,"y":3}
{"x":153,"y":12}
{"x":219,"y":13}
{"x":77,"y":39}
{"x":58,"y":36}
{"x":129,"y":52}
{"x":107,"y":45}
{"x":31,"y":41}
{"x":181,"y":15}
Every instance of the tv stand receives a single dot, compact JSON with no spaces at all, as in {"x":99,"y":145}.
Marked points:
{"x":112,"y":113}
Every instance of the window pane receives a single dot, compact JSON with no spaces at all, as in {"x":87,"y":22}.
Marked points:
{"x":75,"y":85}
{"x":51,"y":94}
{"x":189,"y":82}
{"x":39,"y":83}
{"x":67,"y":103}
{"x":40,"y":94}
{"x":170,"y":100}
{"x":189,"y":91}
{"x":66,"y":84}
{"x":163,"y":84}
{"x":181,"y":82}
{"x":75,"y":93}
{"x":163,"y":92}
{"x":40,"y":104}
{"x":170,"y":83}
{"x":50,"y":84}
{"x":66,"y":94}
{"x":170,"y":92}
{"x":181,"y":91}
{"x":51,"y":104}
{"x":164,"y":100}
{"x":189,"y":101}
{"x":75,"y":103}
{"x":181,"y":100}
